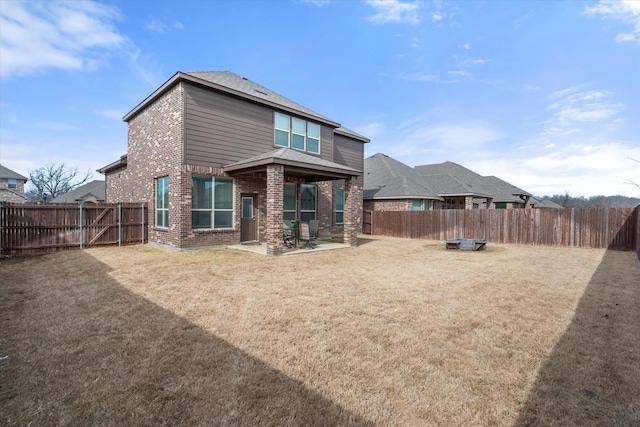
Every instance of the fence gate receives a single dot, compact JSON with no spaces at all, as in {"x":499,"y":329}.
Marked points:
{"x":45,"y":228}
{"x":367,"y":222}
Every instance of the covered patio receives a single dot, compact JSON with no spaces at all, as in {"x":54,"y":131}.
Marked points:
{"x":288,"y":165}
{"x":320,"y":246}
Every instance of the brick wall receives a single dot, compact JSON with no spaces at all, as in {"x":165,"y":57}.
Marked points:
{"x":352,"y":210}
{"x":13,"y":195}
{"x":275,"y":197}
{"x":388,"y":205}
{"x":155,"y":149}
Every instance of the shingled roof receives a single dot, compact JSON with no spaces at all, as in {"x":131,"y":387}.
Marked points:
{"x":96,"y":188}
{"x":234,"y":84}
{"x":6,"y":173}
{"x":387,"y":178}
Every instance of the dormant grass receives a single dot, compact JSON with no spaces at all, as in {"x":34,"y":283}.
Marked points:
{"x":394,"y":332}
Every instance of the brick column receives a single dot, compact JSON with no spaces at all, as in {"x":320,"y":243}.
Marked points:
{"x":468,"y":202}
{"x":352,"y":206}
{"x":275,"y":194}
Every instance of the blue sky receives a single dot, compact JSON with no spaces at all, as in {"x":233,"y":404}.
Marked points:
{"x":543,"y":94}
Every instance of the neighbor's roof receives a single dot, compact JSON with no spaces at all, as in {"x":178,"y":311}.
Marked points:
{"x":233,"y":84}
{"x":544,"y":203}
{"x":452,"y":179}
{"x":387,"y":178}
{"x":447,"y":185}
{"x":95,"y":188}
{"x":7,"y":173}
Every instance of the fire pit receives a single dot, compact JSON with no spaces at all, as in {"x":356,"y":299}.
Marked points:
{"x":467,"y":244}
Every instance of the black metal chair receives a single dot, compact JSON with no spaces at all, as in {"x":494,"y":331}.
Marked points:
{"x":288,"y":236}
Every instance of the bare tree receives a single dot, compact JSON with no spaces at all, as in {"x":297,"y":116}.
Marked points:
{"x":637,"y":184}
{"x":52,"y":180}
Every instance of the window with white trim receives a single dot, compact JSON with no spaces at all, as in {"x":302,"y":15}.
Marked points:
{"x":162,"y":202}
{"x":292,"y":132}
{"x":307,"y":202}
{"x":13,"y":184}
{"x":339,"y":206}
{"x":211,"y":202}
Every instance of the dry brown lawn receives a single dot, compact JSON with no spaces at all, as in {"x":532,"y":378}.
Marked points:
{"x":394,"y":332}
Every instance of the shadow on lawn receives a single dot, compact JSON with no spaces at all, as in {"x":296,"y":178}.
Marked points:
{"x":592,"y":376}
{"x":90,"y":352}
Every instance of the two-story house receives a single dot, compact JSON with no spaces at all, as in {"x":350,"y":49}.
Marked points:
{"x":11,"y":186}
{"x":221,"y":160}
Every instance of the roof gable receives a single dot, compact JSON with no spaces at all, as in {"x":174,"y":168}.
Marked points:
{"x":387,"y":178}
{"x":236,"y":85}
{"x":6,"y":173}
{"x":95,"y":188}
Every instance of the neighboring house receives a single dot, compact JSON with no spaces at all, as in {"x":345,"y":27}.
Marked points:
{"x":392,"y":185}
{"x":222,"y":160}
{"x":91,"y":192}
{"x":544,"y":204}
{"x":12,"y":186}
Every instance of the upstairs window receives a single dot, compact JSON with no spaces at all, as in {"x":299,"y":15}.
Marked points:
{"x":282,"y":127}
{"x":299,"y":134}
{"x":292,"y":132}
{"x":13,"y":184}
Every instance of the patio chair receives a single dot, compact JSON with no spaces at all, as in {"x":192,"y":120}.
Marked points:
{"x":288,"y":236}
{"x":305,"y":236}
{"x":314,"y":224}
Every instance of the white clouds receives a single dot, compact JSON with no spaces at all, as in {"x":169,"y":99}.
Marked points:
{"x":57,"y":126}
{"x":157,"y":26}
{"x":394,"y":11}
{"x":372,"y":130}
{"x":437,"y":16}
{"x":458,"y":73}
{"x":578,"y":168}
{"x":627,"y":11}
{"x":573,"y":106}
{"x":66,"y":35}
{"x":160,"y":27}
{"x":110,"y":114}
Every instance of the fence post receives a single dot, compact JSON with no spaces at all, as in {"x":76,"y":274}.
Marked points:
{"x":81,"y":235}
{"x":119,"y":224}
{"x":1,"y":226}
{"x":372,"y":213}
{"x":142,"y":206}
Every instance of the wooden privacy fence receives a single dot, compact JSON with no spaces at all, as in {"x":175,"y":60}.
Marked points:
{"x":26,"y":229}
{"x":613,"y":228}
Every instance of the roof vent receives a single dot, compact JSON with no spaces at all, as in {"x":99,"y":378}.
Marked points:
{"x":264,"y":93}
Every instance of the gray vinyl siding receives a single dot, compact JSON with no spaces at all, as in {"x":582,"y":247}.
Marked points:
{"x":348,"y":152}
{"x":326,"y":143}
{"x":220,"y":129}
